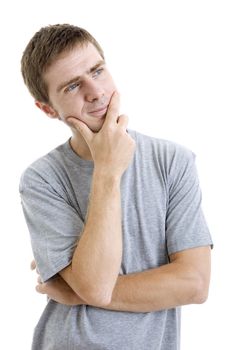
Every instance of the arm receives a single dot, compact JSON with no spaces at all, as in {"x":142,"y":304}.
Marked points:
{"x":184,"y":281}
{"x":97,"y":258}
{"x":96,"y":261}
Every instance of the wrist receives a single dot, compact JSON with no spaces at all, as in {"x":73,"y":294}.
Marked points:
{"x":107,"y":177}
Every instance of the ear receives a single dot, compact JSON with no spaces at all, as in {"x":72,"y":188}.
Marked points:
{"x":47,"y":109}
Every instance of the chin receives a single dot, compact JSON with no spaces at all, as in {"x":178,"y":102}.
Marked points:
{"x":97,"y":128}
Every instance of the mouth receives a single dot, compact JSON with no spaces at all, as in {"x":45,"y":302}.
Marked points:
{"x":99,"y":112}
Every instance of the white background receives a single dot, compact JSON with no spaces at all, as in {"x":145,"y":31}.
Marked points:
{"x":172,"y":62}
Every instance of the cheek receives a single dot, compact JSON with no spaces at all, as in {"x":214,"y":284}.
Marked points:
{"x":73,"y":108}
{"x":111,"y":84}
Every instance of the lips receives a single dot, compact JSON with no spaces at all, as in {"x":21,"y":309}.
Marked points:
{"x":99,"y":112}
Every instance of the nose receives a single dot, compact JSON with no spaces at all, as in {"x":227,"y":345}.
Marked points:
{"x":93,"y":90}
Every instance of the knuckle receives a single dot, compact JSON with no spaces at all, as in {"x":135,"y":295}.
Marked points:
{"x":39,"y":289}
{"x":110,"y":130}
{"x":124,"y":118}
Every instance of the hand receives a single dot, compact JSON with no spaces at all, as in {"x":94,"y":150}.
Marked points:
{"x":112,"y":148}
{"x":57,"y":289}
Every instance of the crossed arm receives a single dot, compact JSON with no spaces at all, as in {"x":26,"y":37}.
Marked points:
{"x":185,"y":280}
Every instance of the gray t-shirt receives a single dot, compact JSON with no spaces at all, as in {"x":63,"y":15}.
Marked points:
{"x":161,"y":214}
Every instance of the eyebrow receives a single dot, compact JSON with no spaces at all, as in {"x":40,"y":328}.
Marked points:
{"x":77,"y":78}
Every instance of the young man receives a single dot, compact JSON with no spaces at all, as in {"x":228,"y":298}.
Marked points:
{"x":118,"y":235}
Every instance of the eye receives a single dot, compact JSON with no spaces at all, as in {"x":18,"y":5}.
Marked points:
{"x":71,"y":87}
{"x":98,"y":72}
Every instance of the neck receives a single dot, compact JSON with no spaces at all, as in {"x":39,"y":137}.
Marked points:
{"x":80,"y":147}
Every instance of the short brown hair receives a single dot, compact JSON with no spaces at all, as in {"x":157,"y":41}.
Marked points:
{"x":43,"y":49}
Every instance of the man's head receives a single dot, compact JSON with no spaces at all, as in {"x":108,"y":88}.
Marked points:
{"x":44,"y":48}
{"x":63,"y":67}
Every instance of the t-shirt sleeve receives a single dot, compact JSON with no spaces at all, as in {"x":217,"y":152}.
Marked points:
{"x":186,"y":226}
{"x":54,"y":224}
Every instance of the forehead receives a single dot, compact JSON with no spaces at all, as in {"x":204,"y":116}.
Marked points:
{"x":69,"y":64}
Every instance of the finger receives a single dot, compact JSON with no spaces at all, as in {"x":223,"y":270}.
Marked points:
{"x":123,"y":121}
{"x":113,"y":108}
{"x":33,"y":265}
{"x":40,"y":288}
{"x":81,"y":127}
{"x":39,"y":280}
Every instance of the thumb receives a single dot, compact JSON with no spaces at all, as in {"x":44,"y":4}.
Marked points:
{"x":81,"y":127}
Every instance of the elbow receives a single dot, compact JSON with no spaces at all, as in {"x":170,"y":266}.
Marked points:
{"x":200,"y":292}
{"x":93,"y":292}
{"x":98,"y":297}
{"x":201,"y":297}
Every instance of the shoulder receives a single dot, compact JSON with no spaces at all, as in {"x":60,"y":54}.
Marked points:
{"x":168,"y":152}
{"x":45,"y":169}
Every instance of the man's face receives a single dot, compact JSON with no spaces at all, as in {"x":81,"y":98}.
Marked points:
{"x":80,"y":86}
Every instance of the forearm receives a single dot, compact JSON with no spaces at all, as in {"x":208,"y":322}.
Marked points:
{"x":152,"y":290}
{"x":97,"y":258}
{"x":147,"y":291}
{"x":183,"y":281}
